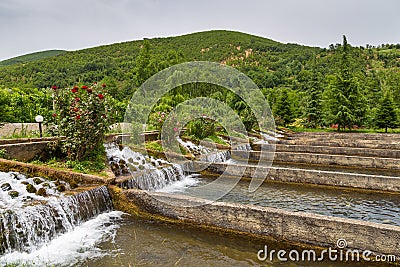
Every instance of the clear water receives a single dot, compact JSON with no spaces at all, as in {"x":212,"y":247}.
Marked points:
{"x":360,"y":205}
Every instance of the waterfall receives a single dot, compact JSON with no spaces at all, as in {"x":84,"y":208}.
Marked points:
{"x":192,"y":148}
{"x":125,"y":160}
{"x":217,"y":157}
{"x":155,"y":179}
{"x":25,"y":229}
{"x":243,"y":147}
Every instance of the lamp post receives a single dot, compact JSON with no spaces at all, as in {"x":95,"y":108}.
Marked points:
{"x":39,"y":119}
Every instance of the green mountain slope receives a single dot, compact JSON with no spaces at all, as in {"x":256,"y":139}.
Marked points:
{"x":31,"y":57}
{"x":118,"y":61}
{"x":302,"y":74}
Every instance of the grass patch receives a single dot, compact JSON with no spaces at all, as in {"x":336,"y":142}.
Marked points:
{"x":154,"y":145}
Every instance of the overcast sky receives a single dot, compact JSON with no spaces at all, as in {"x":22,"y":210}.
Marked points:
{"x":35,"y":25}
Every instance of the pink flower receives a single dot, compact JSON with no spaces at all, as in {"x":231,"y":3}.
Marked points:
{"x":77,"y":99}
{"x":78,"y":117}
{"x":54,"y":87}
{"x":175,"y":129}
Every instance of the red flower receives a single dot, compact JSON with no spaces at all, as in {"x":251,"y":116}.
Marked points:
{"x":103,"y":85}
{"x":78,"y":117}
{"x":54,"y":115}
{"x":101,"y":96}
{"x":54,"y":87}
{"x":74,"y":90}
{"x":76,"y":109}
{"x":84,"y":87}
{"x":89,"y":90}
{"x":77,"y":99}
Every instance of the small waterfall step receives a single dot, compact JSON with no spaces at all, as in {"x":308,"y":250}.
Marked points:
{"x":26,"y":228}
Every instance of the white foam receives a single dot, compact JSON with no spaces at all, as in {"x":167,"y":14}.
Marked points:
{"x":72,"y":247}
{"x":180,"y":186}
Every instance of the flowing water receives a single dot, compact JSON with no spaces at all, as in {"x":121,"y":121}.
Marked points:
{"x":361,"y":205}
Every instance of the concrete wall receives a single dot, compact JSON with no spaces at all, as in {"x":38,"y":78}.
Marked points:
{"x":324,"y":159}
{"x":350,"y":151}
{"x":351,"y":180}
{"x":334,"y":135}
{"x":305,"y":228}
{"x":391,"y":144}
{"x":9,"y":129}
{"x":24,"y":151}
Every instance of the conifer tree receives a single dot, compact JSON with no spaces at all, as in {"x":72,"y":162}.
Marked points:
{"x":386,"y":116}
{"x":345,"y":105}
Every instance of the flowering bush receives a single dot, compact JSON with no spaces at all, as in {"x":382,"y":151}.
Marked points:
{"x":82,"y":118}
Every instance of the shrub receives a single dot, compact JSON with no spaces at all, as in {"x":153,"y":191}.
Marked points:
{"x":201,"y":128}
{"x":82,"y":117}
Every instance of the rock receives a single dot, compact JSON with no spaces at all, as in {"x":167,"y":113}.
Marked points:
{"x":30,"y":188}
{"x":125,"y":170}
{"x":115,"y":168}
{"x":13,"y":193}
{"x":6,"y":187}
{"x":41,"y":192}
{"x":37,"y":180}
{"x":73,"y":184}
{"x":60,"y":188}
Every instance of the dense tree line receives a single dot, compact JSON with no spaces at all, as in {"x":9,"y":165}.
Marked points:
{"x":342,"y":85}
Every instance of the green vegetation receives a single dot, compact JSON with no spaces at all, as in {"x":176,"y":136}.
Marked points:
{"x":31,"y":57}
{"x":340,"y":85}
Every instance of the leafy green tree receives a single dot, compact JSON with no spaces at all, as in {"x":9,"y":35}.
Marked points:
{"x":386,"y":116}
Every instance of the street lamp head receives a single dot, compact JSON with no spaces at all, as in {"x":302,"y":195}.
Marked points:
{"x":39,"y":118}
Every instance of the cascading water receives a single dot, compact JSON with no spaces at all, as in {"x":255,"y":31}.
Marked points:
{"x":34,"y":214}
{"x":156,"y":179}
{"x":192,"y":148}
{"x":152,"y":177}
{"x":28,"y":228}
{"x":125,"y":160}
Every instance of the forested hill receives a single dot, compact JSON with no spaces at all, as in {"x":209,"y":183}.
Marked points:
{"x":119,"y":61}
{"x":298,"y":80}
{"x":31,"y":57}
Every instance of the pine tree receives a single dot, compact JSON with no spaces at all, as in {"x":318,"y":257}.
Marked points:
{"x":313,"y":105}
{"x":143,"y":71}
{"x":345,"y":102}
{"x":283,"y":111}
{"x":386,"y":116}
